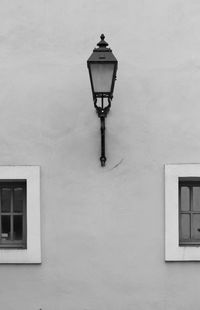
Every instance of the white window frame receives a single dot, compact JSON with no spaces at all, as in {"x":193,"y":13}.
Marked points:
{"x":32,"y":254}
{"x":174,"y":252}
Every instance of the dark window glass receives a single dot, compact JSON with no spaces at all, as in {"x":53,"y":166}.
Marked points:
{"x":18,"y":199}
{"x":5,"y":199}
{"x":185,"y":198}
{"x":196,"y":227}
{"x":196,"y":198}
{"x":5,"y":227}
{"x":185,"y":226}
{"x":18,"y":227}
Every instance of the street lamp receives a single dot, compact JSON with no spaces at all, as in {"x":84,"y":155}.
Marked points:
{"x":102,"y":66}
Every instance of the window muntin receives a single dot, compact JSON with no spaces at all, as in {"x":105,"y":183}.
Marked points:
{"x":13,"y":214}
{"x":189,"y":212}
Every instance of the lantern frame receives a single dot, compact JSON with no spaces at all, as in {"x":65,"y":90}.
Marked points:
{"x":102,"y":55}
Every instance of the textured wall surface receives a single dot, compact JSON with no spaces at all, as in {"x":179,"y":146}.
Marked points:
{"x":102,"y":228}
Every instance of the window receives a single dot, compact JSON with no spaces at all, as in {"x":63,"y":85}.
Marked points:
{"x":13,"y":214}
{"x":182,"y":212}
{"x":189,"y":211}
{"x":20,"y":215}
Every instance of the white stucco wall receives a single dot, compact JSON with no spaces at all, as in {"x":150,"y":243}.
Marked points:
{"x":102,"y":228}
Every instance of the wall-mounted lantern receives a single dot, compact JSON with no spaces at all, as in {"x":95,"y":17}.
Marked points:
{"x":102,"y":66}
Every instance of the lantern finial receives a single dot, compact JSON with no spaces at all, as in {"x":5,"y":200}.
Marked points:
{"x":102,"y":43}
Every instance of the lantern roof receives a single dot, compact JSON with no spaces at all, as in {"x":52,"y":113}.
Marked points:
{"x":102,"y":53}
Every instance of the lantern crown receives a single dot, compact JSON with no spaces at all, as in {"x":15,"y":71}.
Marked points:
{"x":102,"y":43}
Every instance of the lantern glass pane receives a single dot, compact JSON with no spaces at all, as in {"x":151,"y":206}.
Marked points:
{"x":102,"y":76}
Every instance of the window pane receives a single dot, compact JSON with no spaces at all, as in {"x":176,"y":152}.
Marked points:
{"x":5,"y":199}
{"x":18,"y":227}
{"x":102,"y":76}
{"x":18,"y":199}
{"x":185,"y":198}
{"x":5,"y":227}
{"x":196,"y":198}
{"x":196,"y":226}
{"x":184,"y":226}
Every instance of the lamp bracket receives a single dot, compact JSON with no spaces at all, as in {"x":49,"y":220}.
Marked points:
{"x":101,"y":110}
